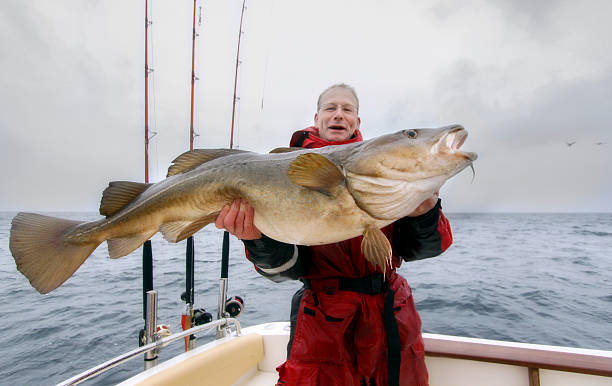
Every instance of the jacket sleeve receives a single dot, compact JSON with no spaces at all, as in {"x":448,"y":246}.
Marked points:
{"x":428,"y":235}
{"x":275,"y":260}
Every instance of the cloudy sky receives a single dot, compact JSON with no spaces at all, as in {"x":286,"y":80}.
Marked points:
{"x":523,"y":77}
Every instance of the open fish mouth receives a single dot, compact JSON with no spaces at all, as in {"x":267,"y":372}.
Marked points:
{"x":451,"y":141}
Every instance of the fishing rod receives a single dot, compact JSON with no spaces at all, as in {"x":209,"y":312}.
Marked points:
{"x":236,"y":75}
{"x":193,"y":76}
{"x":187,"y":318}
{"x":235,"y":304}
{"x":146,"y":334}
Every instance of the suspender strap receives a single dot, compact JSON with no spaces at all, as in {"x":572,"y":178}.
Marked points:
{"x":393,"y":340}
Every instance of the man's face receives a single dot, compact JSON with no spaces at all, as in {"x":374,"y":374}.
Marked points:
{"x":337,"y":119}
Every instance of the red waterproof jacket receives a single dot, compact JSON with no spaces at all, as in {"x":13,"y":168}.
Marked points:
{"x":348,"y":325}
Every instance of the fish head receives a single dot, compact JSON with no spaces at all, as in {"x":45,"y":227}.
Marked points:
{"x":389,"y":176}
{"x":413,"y":155}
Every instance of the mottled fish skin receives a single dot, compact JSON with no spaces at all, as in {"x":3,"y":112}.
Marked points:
{"x":306,"y":197}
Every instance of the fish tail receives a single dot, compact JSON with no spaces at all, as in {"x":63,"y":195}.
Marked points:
{"x":42,"y":251}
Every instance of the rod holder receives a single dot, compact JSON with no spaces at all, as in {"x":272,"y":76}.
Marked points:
{"x":150,"y":357}
{"x":221,"y":329}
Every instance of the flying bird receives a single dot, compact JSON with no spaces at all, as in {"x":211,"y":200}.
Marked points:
{"x":570,"y":143}
{"x":600,"y":143}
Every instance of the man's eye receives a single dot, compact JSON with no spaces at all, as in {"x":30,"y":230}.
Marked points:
{"x":330,"y":109}
{"x":348,"y":109}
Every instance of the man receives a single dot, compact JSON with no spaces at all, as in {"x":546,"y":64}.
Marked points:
{"x":350,"y":325}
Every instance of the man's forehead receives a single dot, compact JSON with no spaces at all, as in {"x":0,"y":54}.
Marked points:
{"x":338,"y":103}
{"x":338,"y":96}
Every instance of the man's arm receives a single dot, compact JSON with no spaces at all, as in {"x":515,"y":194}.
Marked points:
{"x":273,"y":259}
{"x":425,"y":235}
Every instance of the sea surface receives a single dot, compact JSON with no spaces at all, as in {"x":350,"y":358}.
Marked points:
{"x":537,"y":278}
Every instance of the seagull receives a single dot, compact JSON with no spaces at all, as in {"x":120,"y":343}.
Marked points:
{"x":570,"y":143}
{"x":600,"y":143}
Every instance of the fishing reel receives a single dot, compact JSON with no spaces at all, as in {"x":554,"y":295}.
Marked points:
{"x":234,"y":306}
{"x":161,"y":331}
{"x":201,"y":316}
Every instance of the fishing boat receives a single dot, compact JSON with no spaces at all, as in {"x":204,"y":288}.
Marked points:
{"x":250,"y":356}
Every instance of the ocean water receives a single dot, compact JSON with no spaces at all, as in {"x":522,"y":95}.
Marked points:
{"x":537,"y":278}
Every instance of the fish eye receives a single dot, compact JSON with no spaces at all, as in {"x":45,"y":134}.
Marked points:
{"x":411,"y":133}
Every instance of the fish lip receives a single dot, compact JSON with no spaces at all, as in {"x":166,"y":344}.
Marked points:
{"x":458,"y":141}
{"x":451,"y":139}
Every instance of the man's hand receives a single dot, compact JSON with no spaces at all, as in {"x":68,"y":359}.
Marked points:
{"x":426,"y":205}
{"x":237,"y":219}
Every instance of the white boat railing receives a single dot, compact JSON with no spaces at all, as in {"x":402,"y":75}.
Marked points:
{"x":158,"y":344}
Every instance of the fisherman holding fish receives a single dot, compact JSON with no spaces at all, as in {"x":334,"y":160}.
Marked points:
{"x":350,"y":323}
{"x":339,"y":218}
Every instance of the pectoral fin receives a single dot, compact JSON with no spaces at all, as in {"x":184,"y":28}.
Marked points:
{"x":376,"y":248}
{"x":314,"y":171}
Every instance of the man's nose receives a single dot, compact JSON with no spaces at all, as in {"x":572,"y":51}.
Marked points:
{"x":338,"y":113}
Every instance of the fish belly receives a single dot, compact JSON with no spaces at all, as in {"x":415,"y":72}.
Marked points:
{"x":312,"y":218}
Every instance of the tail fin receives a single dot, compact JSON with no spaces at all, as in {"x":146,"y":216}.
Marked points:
{"x":41,"y":252}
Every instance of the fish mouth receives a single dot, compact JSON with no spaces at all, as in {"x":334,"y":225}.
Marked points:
{"x":451,"y":139}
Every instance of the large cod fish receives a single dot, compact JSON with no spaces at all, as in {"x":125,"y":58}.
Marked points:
{"x":300,"y":196}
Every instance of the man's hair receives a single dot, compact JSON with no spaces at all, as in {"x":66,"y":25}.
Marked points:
{"x":338,"y":85}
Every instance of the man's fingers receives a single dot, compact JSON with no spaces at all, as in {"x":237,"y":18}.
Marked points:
{"x":426,"y":205}
{"x":238,"y":231}
{"x":250,"y":230}
{"x":220,"y":221}
{"x":230,"y":217}
{"x":248,"y":220}
{"x":237,"y":219}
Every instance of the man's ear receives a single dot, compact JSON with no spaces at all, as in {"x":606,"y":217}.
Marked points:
{"x":316,"y":119}
{"x":358,"y":123}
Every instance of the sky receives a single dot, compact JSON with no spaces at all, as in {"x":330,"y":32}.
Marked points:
{"x":524,"y":78}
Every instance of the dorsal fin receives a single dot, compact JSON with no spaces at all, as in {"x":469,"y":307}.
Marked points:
{"x":285,"y":149}
{"x":118,"y":194}
{"x":314,"y":171}
{"x":194,"y":158}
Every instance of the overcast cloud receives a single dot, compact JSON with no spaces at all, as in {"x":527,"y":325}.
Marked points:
{"x":523,"y":77}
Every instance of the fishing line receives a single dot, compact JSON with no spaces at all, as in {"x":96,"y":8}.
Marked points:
{"x":265,"y":76}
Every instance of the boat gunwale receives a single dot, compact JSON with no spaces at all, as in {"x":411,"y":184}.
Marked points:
{"x":559,"y":358}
